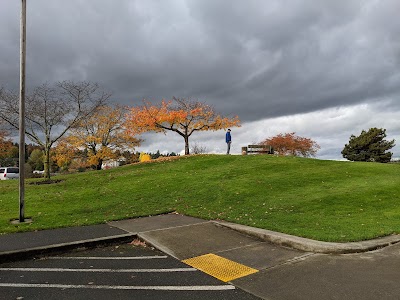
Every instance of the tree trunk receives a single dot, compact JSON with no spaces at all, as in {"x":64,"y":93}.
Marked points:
{"x":186,"y":144}
{"x":98,"y":167}
{"x":47,"y":163}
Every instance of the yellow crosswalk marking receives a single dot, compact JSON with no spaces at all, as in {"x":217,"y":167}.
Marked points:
{"x":219,"y":267}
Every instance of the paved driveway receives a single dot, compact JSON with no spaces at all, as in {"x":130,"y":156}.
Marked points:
{"x":114,"y":272}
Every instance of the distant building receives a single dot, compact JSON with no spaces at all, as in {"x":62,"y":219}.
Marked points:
{"x":113,"y":163}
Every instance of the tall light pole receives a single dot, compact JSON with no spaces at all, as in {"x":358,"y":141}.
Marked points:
{"x":22,"y":113}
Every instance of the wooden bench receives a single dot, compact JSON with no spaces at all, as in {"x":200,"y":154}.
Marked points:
{"x":260,"y":149}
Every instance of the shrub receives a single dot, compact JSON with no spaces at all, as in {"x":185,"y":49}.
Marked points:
{"x":144,"y":157}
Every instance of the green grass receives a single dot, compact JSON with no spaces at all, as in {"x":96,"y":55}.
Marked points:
{"x":323,"y":200}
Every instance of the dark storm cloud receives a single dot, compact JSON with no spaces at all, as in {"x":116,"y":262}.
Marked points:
{"x":257,"y":59}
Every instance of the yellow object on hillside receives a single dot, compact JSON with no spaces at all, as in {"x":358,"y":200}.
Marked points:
{"x":144,"y":157}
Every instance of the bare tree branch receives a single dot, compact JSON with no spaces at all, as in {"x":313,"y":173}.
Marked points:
{"x":52,"y":110}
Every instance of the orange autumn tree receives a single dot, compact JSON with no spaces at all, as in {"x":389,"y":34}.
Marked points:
{"x":291,"y":144}
{"x":102,"y":134}
{"x":6,"y":146}
{"x":179,"y":115}
{"x":5,"y":143}
{"x":63,"y":153}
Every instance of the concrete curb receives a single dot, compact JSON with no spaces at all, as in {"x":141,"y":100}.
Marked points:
{"x":155,"y":244}
{"x":309,"y":245}
{"x":31,"y":252}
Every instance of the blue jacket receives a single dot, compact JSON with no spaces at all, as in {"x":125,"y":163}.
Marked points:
{"x":228,"y":137}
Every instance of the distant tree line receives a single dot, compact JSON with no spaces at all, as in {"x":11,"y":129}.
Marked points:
{"x":9,"y":151}
{"x":73,"y":123}
{"x":73,"y":126}
{"x":158,"y":154}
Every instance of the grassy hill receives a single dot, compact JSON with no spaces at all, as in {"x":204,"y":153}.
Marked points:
{"x":324,"y":200}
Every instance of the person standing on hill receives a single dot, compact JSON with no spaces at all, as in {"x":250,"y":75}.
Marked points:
{"x":228,"y":140}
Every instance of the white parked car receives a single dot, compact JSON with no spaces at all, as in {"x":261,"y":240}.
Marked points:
{"x":9,"y":173}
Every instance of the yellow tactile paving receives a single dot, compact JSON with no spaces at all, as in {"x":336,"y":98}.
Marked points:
{"x":219,"y":267}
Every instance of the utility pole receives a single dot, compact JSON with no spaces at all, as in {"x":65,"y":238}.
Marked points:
{"x":22,"y":113}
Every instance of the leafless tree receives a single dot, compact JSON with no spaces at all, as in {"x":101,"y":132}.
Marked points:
{"x":199,"y":149}
{"x":51,"y":110}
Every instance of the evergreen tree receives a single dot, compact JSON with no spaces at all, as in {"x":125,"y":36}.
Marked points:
{"x":369,"y":146}
{"x":156,"y":155}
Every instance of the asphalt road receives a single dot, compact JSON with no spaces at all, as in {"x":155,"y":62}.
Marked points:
{"x":113,"y":272}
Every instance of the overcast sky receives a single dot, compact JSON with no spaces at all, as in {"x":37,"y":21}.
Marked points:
{"x":323,"y":69}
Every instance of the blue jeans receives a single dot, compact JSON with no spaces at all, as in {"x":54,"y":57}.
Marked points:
{"x":229,"y":147}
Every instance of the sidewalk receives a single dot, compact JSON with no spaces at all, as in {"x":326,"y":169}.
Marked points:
{"x":261,"y":262}
{"x":32,"y":243}
{"x":27,"y":244}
